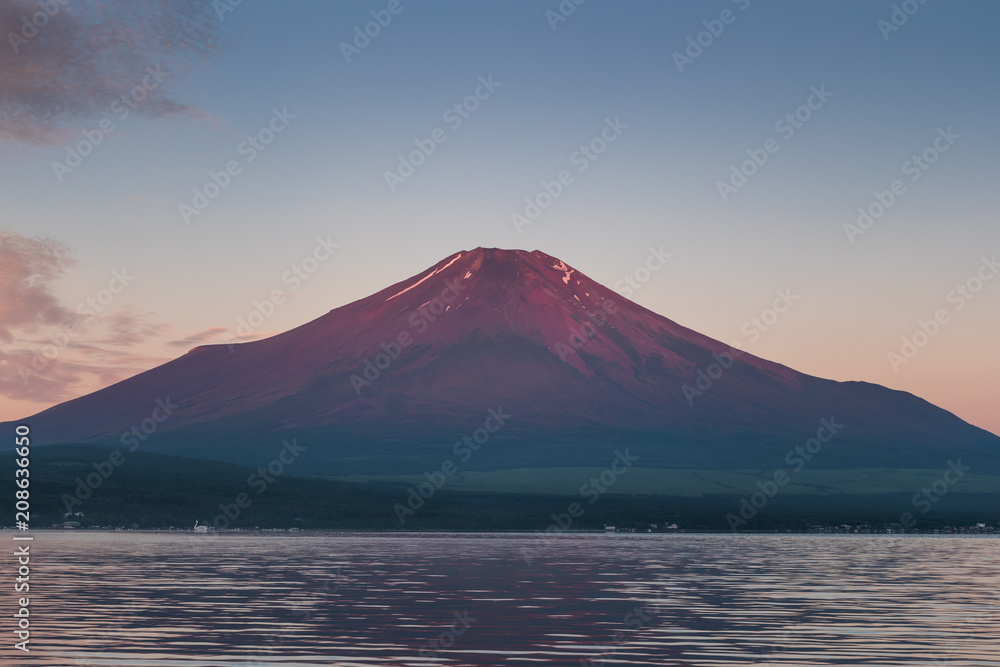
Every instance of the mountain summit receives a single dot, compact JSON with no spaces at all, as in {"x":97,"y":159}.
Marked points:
{"x":387,"y":384}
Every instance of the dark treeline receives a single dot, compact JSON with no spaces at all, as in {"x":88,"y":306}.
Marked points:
{"x":157,"y":491}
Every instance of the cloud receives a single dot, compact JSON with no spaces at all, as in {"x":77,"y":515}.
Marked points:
{"x":212,"y":334}
{"x":28,"y":268}
{"x":252,"y":336}
{"x":218,"y":336}
{"x":48,"y":352}
{"x":63,"y":64}
{"x":128,"y":326}
{"x":30,"y":376}
{"x":18,"y":379}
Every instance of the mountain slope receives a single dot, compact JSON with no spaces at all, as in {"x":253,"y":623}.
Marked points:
{"x":388,"y":383}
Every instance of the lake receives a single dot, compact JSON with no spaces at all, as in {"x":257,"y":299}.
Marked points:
{"x":304,"y":600}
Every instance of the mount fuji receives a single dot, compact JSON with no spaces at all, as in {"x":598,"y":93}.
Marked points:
{"x":387,"y":384}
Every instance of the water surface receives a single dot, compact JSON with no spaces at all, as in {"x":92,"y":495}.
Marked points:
{"x":283,"y":600}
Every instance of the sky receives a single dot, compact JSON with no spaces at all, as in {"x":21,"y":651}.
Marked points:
{"x":165,"y":166}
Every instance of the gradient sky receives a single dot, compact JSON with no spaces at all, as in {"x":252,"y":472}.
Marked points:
{"x":655,"y":185}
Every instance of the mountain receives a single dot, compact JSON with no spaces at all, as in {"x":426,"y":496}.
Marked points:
{"x":390,"y":384}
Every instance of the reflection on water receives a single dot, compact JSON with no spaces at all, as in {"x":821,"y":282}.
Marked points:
{"x":308,"y":600}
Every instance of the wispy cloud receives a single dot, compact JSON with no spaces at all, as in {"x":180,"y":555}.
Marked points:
{"x":210,"y":335}
{"x":62,"y":66}
{"x":218,"y":336}
{"x":28,"y":268}
{"x":49,"y":352}
{"x":128,"y":326}
{"x":252,"y":336}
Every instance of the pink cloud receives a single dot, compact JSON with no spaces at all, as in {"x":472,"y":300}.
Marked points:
{"x":19,"y":378}
{"x":210,"y":335}
{"x":252,"y":336}
{"x":28,"y":267}
{"x":218,"y":336}
{"x":47,"y":351}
